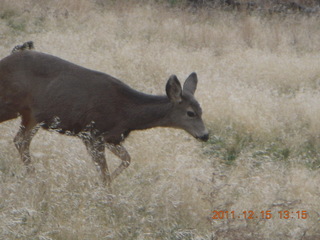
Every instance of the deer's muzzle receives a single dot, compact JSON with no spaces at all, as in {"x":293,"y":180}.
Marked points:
{"x":204,"y":137}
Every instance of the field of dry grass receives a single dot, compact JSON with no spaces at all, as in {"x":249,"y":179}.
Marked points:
{"x":259,"y":87}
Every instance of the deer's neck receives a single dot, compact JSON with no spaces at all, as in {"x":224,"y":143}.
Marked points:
{"x":151,"y":111}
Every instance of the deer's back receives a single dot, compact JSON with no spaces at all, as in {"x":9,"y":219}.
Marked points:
{"x":51,"y":87}
{"x":30,"y":69}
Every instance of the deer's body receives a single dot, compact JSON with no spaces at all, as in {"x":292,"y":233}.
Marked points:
{"x":101,"y":110}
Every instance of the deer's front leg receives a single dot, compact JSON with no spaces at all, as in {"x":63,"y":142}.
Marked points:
{"x":122,"y":153}
{"x":96,"y":149}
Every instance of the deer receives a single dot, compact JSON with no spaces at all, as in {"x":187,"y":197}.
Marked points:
{"x":54,"y":94}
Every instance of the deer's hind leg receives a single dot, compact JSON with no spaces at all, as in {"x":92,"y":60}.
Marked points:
{"x":24,"y":136}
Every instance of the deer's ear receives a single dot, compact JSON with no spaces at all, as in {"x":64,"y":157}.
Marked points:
{"x":190,"y":85}
{"x":173,"y":89}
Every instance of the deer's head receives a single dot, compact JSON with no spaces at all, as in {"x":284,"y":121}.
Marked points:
{"x":186,"y":112}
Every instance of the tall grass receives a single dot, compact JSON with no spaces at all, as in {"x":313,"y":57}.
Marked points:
{"x":259,"y":90}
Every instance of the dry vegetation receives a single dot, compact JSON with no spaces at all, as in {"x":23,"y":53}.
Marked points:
{"x":259,"y":86}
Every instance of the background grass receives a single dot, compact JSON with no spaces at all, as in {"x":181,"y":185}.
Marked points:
{"x":259,"y":80}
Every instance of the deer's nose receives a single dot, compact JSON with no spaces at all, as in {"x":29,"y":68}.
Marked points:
{"x":204,"y":137}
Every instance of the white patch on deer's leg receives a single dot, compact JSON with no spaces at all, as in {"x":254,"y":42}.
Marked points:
{"x":96,"y":150}
{"x":22,"y":142}
{"x":122,"y":153}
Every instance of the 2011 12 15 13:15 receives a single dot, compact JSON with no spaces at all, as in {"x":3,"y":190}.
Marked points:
{"x":268,"y":214}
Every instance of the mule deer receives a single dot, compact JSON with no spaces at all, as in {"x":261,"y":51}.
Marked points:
{"x":52,"y":93}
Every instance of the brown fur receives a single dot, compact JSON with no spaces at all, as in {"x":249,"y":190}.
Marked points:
{"x":98,"y":108}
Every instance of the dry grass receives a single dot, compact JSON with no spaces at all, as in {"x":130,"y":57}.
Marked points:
{"x":259,"y":82}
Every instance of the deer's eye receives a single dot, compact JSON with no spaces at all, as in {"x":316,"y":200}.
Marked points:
{"x":191,"y":114}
